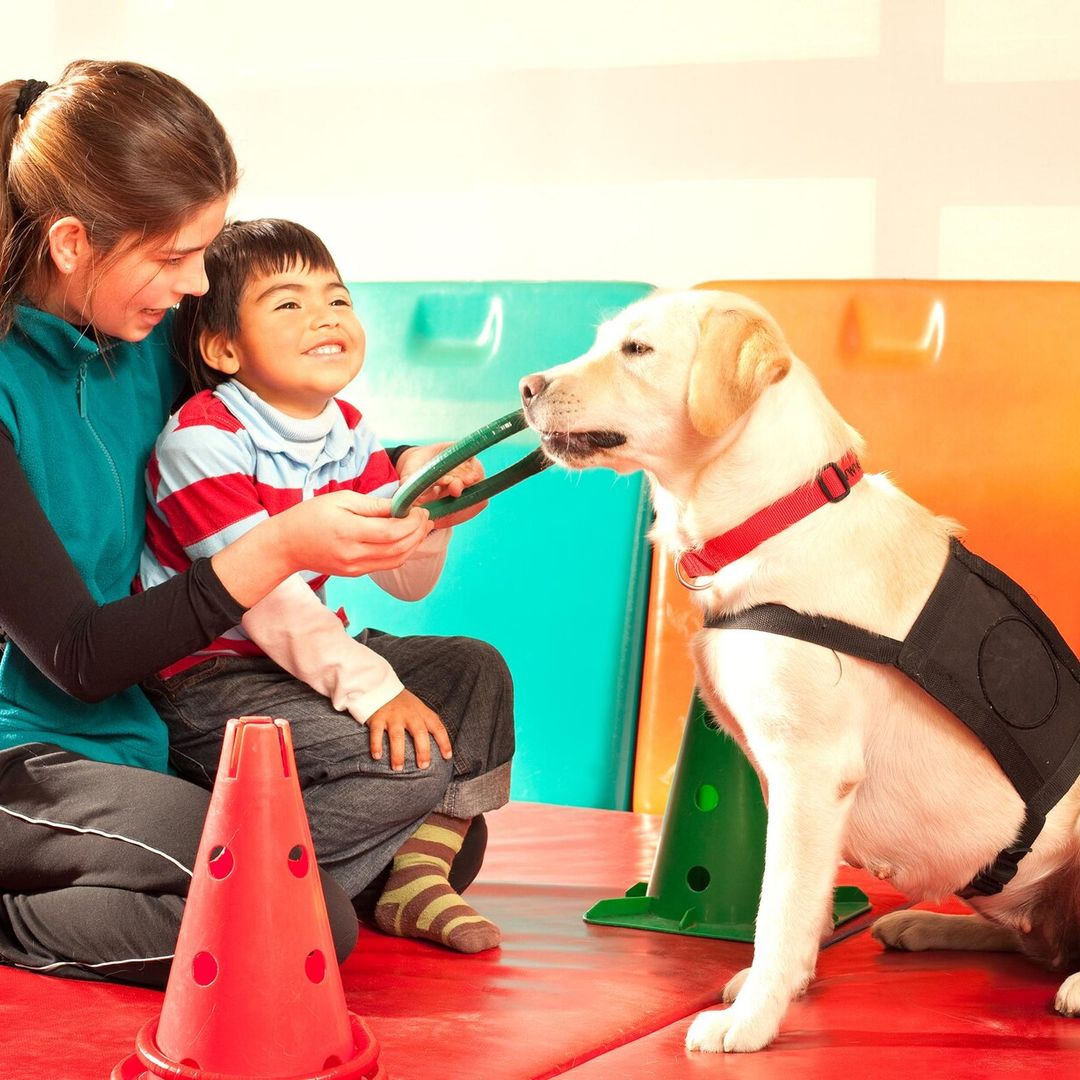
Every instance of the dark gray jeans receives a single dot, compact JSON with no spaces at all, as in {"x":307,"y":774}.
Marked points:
{"x":360,"y":811}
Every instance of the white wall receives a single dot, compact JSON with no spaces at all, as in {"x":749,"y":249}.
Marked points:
{"x":583,"y":139}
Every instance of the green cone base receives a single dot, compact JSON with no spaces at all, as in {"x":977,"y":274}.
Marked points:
{"x":710,"y":859}
{"x":637,"y":911}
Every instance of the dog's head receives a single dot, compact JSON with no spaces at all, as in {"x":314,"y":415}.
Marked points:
{"x":668,"y":372}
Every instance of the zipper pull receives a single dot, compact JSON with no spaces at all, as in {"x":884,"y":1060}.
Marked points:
{"x":80,"y":390}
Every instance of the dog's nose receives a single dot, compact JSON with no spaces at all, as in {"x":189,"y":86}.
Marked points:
{"x":531,"y":386}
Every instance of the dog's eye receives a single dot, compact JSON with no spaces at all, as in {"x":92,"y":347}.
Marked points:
{"x":636,"y":348}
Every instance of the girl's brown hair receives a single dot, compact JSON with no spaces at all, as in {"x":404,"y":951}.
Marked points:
{"x":129,"y":151}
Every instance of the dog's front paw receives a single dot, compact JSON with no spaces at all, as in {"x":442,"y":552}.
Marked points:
{"x":1067,"y":1001}
{"x":734,"y":985}
{"x":730,"y":1031}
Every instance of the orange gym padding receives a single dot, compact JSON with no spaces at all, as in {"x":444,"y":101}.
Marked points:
{"x":965,"y":395}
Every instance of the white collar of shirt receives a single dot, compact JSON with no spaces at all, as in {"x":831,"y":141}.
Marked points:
{"x":304,"y":440}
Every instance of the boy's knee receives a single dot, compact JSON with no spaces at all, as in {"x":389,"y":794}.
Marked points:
{"x":414,"y":790}
{"x":435,"y":779}
{"x":485,"y":661}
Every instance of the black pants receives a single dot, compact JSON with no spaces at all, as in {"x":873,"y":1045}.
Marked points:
{"x":95,"y":862}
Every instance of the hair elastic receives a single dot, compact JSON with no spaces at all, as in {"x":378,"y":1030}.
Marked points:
{"x":31,"y":91}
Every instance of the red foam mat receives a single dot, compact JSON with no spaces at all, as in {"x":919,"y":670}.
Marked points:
{"x":887,"y":1016}
{"x":563,"y":997}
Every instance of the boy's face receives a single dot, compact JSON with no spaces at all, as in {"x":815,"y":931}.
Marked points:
{"x":300,"y":341}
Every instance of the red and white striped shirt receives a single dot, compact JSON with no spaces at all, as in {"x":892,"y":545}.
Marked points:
{"x":226,"y":461}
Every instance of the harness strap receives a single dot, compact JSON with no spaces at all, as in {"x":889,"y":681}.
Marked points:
{"x":815,"y":629}
{"x":880,"y":649}
{"x":993,"y":878}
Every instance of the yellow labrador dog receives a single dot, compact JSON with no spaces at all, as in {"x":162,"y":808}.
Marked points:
{"x":701,"y":391}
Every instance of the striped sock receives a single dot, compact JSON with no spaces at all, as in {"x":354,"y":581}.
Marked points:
{"x":420,"y":902}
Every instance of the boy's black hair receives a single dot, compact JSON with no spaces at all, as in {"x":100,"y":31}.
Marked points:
{"x":242,"y":250}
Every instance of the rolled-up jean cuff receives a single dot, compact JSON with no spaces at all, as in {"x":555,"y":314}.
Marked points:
{"x":467,"y":798}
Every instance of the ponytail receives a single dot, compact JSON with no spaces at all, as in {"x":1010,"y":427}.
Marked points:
{"x":10,"y":256}
{"x":9,"y":121}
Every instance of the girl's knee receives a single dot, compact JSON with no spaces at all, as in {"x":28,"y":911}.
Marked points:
{"x":344,"y":927}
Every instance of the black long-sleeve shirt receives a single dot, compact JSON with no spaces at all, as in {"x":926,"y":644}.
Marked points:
{"x":93,"y":650}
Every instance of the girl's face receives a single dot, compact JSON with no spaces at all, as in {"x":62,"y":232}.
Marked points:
{"x":130,"y":295}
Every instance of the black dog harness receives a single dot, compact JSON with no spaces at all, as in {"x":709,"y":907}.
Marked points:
{"x":984,"y":649}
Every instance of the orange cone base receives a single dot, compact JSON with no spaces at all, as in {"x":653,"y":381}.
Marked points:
{"x":148,"y":1063}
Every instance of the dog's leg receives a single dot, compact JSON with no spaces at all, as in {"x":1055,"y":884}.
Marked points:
{"x":917,"y":931}
{"x":1067,"y":1001}
{"x":733,"y":986}
{"x":735,"y":983}
{"x":810,"y":801}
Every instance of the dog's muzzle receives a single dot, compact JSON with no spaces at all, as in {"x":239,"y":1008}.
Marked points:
{"x":565,"y":446}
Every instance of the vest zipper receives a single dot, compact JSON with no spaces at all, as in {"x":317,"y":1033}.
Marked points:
{"x":81,"y":395}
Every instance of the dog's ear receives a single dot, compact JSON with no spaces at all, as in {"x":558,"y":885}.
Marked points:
{"x":738,"y":356}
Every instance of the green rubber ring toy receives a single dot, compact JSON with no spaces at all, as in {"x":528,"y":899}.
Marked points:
{"x":470,"y":446}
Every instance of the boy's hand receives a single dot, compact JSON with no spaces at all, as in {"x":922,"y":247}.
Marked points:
{"x":407,"y":712}
{"x":451,"y":485}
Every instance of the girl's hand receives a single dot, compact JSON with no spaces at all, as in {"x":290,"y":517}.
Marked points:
{"x":407,"y":713}
{"x":349,"y":534}
{"x":451,"y":485}
{"x":340,"y":533}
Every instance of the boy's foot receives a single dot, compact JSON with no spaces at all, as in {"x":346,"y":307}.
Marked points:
{"x":419,"y":901}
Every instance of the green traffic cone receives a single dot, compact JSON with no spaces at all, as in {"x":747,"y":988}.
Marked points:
{"x":706,"y":878}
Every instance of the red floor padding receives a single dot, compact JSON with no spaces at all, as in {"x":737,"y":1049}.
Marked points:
{"x":561,"y":997}
{"x":887,"y":1016}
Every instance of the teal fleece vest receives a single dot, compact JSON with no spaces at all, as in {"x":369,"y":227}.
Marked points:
{"x":83,"y":427}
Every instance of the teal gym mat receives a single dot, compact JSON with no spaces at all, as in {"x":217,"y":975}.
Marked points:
{"x":555,"y":571}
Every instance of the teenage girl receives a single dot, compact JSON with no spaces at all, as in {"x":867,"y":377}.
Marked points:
{"x":113,"y":181}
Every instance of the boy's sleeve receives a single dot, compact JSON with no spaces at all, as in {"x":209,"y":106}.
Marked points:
{"x":414,"y":579}
{"x":417,"y":577}
{"x":300,"y":634}
{"x":202,"y":489}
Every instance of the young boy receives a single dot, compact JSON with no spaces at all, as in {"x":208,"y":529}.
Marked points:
{"x":267,"y":348}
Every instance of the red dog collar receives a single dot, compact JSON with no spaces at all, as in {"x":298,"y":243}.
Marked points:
{"x":831,"y":485}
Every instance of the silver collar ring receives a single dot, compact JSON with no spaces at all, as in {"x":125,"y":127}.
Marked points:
{"x":691,"y":583}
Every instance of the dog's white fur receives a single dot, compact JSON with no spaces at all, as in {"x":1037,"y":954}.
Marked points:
{"x":855,"y":760}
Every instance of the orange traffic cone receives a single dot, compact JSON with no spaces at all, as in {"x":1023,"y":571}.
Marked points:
{"x":254,"y":989}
